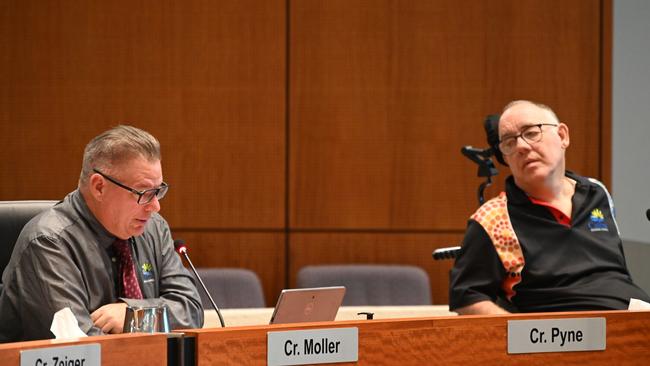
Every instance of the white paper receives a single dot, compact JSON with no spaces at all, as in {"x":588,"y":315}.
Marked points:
{"x":636,"y":304}
{"x":65,"y":325}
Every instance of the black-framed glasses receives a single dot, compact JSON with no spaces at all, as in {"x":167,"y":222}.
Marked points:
{"x":145,"y":196}
{"x":530,"y":134}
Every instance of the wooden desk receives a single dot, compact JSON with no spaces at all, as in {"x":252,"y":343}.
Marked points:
{"x":117,"y":350}
{"x":451,"y":340}
{"x":262,"y":316}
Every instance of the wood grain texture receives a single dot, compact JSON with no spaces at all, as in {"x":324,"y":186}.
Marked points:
{"x":263,"y":253}
{"x":116,"y":350}
{"x":455,"y":340}
{"x":379,"y":248}
{"x":606,"y":29}
{"x":385,"y":93}
{"x":381,"y":96}
{"x":205,"y":77}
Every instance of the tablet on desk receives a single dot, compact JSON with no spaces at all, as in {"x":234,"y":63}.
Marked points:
{"x":308,"y":305}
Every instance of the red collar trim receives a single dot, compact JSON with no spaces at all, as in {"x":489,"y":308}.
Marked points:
{"x":560,"y":217}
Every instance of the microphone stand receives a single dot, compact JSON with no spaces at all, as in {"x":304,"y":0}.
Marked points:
{"x":205,"y":289}
{"x":486,"y":167}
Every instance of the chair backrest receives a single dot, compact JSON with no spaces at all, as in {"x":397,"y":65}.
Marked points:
{"x":13,"y":216}
{"x":232,"y":288}
{"x":371,"y":284}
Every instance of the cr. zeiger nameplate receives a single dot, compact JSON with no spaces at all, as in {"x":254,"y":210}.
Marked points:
{"x":78,"y":355}
{"x":557,"y":335}
{"x":301,"y":347}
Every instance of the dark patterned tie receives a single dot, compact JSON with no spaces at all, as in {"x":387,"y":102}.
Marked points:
{"x":128,"y":280}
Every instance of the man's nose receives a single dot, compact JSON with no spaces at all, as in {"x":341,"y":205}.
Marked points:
{"x":154,"y":205}
{"x":521,"y":144}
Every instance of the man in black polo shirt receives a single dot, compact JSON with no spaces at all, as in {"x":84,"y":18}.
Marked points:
{"x":550,"y":242}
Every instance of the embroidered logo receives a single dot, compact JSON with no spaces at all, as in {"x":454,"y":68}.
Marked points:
{"x":597,"y":221}
{"x":147,"y":272}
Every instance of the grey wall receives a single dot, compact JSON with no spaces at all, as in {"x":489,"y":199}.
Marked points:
{"x":631,"y":118}
{"x":637,"y":256}
{"x":631,"y":132}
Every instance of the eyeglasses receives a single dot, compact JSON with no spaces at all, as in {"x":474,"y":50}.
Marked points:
{"x":145,"y":196}
{"x":530,"y":134}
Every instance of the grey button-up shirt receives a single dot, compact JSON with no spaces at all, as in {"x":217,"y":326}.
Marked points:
{"x":62,"y":258}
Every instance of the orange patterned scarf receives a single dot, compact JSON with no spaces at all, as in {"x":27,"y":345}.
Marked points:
{"x":493,"y":217}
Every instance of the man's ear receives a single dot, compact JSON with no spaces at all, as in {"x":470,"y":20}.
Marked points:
{"x":97,"y":186}
{"x":563,"y":132}
{"x":505,"y":160}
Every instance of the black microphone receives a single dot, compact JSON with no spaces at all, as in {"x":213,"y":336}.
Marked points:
{"x":446,"y":253}
{"x":470,"y":151}
{"x":647,"y":214}
{"x":181,"y":249}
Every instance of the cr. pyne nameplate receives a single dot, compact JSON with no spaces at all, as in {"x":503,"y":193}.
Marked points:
{"x":557,"y":335}
{"x":301,"y":347}
{"x":78,"y":355}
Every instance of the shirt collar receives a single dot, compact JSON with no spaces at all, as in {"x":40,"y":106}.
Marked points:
{"x":517,"y":196}
{"x":103,"y":236}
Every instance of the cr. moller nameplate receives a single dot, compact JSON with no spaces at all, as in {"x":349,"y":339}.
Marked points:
{"x":557,"y":335}
{"x":302,"y":347}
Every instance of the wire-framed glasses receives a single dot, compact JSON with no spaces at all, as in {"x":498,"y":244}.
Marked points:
{"x":530,"y":134}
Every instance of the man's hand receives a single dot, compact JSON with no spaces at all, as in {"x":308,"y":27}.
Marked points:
{"x":480,"y":308}
{"x":110,"y":317}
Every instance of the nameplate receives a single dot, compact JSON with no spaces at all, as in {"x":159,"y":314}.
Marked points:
{"x":78,"y":355}
{"x":302,"y":347}
{"x":557,"y":335}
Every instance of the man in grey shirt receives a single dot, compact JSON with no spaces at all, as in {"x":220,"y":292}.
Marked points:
{"x":101,"y":249}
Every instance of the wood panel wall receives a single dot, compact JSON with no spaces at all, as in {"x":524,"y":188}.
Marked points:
{"x":299,"y":132}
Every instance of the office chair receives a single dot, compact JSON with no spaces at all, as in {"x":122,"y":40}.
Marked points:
{"x":232,"y":288}
{"x":13,"y":216}
{"x":369,"y":284}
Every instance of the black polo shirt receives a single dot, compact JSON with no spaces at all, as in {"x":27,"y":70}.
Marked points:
{"x":567,"y":268}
